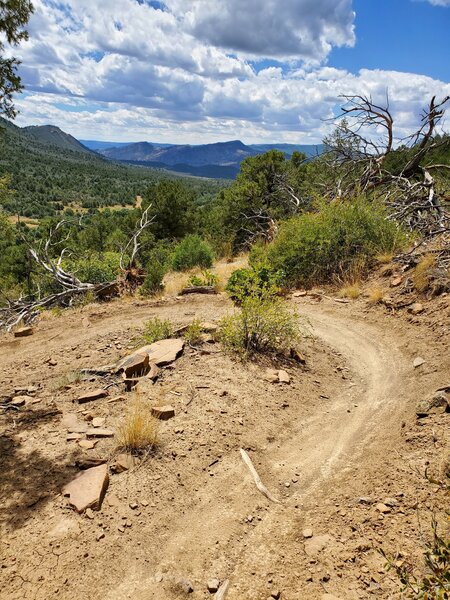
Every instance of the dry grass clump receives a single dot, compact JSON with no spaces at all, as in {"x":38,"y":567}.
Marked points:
{"x":139,"y":429}
{"x":70,"y":378}
{"x":224,"y":269}
{"x":175,"y":281}
{"x":423,"y":272}
{"x":351,"y":290}
{"x":384,"y":258}
{"x":375,"y":296}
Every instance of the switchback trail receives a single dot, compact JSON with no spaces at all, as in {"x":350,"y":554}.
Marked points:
{"x":356,"y":426}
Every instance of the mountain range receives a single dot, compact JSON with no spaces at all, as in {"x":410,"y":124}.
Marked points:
{"x":220,"y":160}
{"x":216,"y":160}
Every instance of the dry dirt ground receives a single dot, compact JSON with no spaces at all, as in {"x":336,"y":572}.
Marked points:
{"x":344,"y":429}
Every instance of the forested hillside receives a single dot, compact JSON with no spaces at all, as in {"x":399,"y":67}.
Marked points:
{"x":47,"y":175}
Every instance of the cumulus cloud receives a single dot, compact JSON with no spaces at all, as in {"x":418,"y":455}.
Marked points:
{"x":181,"y":71}
{"x":298,"y":29}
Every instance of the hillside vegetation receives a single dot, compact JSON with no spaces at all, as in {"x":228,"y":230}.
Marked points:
{"x":50,"y":170}
{"x":306,"y":222}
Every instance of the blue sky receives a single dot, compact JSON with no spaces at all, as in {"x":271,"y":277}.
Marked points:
{"x":204,"y":71}
{"x":399,"y":35}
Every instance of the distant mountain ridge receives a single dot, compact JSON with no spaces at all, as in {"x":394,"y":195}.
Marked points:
{"x":220,"y":153}
{"x":222,"y":158}
{"x":55,"y":136}
{"x":214,"y":160}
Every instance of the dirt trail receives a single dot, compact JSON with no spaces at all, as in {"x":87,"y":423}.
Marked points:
{"x":331,"y":436}
{"x":348,"y":434}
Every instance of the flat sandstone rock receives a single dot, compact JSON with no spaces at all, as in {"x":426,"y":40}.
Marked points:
{"x":160,"y":353}
{"x":88,"y":488}
{"x":164,"y":413}
{"x":94,"y":395}
{"x":23,"y":332}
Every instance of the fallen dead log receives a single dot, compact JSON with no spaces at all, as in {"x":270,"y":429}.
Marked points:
{"x":259,"y":484}
{"x":199,"y":289}
{"x":27,"y":311}
{"x":222,"y":591}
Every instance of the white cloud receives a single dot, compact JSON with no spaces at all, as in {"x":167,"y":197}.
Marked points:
{"x":296,"y":29}
{"x":124,"y":70}
{"x":439,"y":2}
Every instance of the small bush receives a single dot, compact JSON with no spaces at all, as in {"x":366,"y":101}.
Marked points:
{"x":263,"y":324}
{"x":255,"y":281}
{"x":156,"y":329}
{"x":193,"y":333}
{"x":423,"y":273}
{"x":206,"y":278}
{"x":84,"y":300}
{"x":156,"y":266}
{"x":153,"y":282}
{"x":316,"y":247}
{"x":435,"y":584}
{"x":95,"y":268}
{"x":191,"y":252}
{"x":139,"y":429}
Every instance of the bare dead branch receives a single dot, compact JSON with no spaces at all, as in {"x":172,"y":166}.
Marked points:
{"x":133,"y":245}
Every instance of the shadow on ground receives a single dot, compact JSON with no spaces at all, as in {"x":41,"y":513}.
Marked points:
{"x":28,"y":481}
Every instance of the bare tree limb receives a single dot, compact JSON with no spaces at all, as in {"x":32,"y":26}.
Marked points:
{"x":133,"y":245}
{"x":259,"y":484}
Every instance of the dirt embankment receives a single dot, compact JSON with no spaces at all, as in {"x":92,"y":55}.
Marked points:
{"x":340,"y":447}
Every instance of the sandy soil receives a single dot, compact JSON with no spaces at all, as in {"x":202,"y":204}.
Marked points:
{"x":344,"y":428}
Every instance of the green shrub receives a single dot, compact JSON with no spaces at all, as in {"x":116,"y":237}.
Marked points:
{"x":315,"y":247}
{"x":156,"y":329}
{"x":193,"y":333}
{"x":435,"y":583}
{"x":206,"y":278}
{"x":253,"y":281}
{"x":156,"y":267}
{"x":94,"y":268}
{"x":263,"y":324}
{"x":153,"y":282}
{"x":191,"y":252}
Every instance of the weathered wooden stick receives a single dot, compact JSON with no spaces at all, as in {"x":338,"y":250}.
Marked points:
{"x":222,"y":591}
{"x":259,"y":484}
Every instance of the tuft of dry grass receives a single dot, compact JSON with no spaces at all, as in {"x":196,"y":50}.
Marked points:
{"x":376,"y":295}
{"x":70,"y":378}
{"x":175,"y":281}
{"x":139,"y":429}
{"x":423,"y":272}
{"x":351,"y":290}
{"x":384,"y":258}
{"x":225,"y":268}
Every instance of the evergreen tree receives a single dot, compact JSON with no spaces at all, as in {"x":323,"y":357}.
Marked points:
{"x":14,"y":15}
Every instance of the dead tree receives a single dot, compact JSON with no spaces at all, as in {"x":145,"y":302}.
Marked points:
{"x":361,"y":160}
{"x":26,"y":310}
{"x":132,"y":275}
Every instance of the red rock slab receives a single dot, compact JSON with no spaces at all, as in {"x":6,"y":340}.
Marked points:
{"x":160,"y":353}
{"x":163,"y":413}
{"x":136,"y":365}
{"x":23,"y":332}
{"x":94,"y":395}
{"x":88,"y":488}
